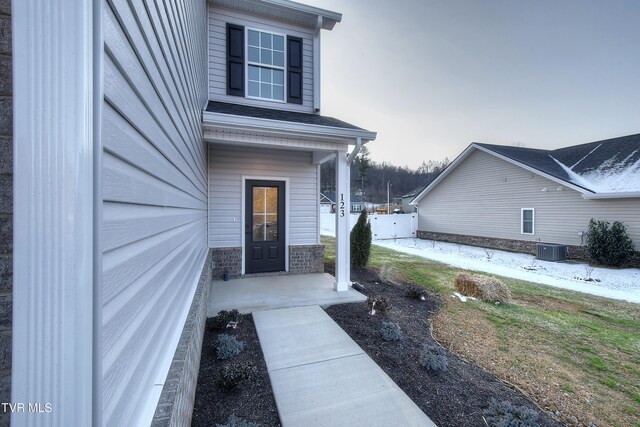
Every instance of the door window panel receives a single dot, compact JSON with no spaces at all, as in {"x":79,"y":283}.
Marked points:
{"x":265,"y":214}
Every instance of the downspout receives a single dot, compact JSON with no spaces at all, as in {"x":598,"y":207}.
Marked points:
{"x":355,"y":151}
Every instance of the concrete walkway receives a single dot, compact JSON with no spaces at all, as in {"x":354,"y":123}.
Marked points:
{"x":321,"y":377}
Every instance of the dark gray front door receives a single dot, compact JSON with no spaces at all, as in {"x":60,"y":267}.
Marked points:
{"x":264,"y":226}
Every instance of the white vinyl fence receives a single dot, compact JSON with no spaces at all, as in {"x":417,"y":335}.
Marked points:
{"x":395,"y":226}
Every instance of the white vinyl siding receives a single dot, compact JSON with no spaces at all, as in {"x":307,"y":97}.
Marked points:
{"x":218,"y":19}
{"x":484,"y":195}
{"x":228,"y":165}
{"x":155,"y":195}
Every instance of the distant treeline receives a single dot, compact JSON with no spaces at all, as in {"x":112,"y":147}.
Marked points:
{"x":370,"y":178}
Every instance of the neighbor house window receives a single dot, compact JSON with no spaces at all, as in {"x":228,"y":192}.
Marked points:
{"x":265,"y":65}
{"x":527,"y":218}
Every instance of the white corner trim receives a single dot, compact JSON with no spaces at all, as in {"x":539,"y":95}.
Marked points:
{"x":316,"y":65}
{"x":53,"y":89}
{"x":245,"y":123}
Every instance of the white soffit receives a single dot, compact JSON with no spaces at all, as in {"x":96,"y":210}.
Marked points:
{"x":284,"y":10}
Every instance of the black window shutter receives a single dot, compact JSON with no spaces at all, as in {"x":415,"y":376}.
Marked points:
{"x":235,"y":60}
{"x":294,"y":70}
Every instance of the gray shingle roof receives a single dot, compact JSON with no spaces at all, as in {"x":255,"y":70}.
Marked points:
{"x":594,"y":157}
{"x":280,"y":115}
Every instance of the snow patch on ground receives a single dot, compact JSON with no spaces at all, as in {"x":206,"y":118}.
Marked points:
{"x":462,"y":297}
{"x":623,"y":284}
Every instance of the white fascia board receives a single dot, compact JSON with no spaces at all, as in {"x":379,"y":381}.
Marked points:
{"x":330,"y":19}
{"x":442,"y":175}
{"x":474,"y":146}
{"x":234,"y":122}
{"x":534,"y":170}
{"x":613,"y":195}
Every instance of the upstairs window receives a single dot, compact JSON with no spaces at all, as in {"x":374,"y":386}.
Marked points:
{"x":265,"y":65}
{"x":527,"y":218}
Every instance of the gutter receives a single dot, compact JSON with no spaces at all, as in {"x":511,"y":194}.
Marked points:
{"x":234,"y":122}
{"x":619,"y":195}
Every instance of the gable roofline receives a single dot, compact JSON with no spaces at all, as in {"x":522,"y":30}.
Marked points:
{"x":287,"y":10}
{"x":476,"y":146}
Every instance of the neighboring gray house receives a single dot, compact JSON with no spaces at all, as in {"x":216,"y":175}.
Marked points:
{"x":512,"y":197}
{"x":151,"y":141}
{"x":328,"y":198}
{"x":406,"y":200}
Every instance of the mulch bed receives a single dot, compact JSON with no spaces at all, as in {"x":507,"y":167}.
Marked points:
{"x":457,"y":397}
{"x":252,"y":401}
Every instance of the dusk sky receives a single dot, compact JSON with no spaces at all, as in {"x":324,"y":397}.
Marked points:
{"x":433,"y":76}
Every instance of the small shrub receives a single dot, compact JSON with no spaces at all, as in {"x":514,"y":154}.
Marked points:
{"x":391,"y":331}
{"x":504,"y":414}
{"x":608,"y":244}
{"x":228,"y":346}
{"x":232,"y":375}
{"x":416,"y":292}
{"x":222,"y":319}
{"x":433,"y":358}
{"x":361,"y":241}
{"x":378,"y":303}
{"x":234,"y":421}
{"x":482,"y":287}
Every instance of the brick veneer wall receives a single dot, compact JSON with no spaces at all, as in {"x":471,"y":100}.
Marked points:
{"x":229,"y":259}
{"x":577,"y":253}
{"x":306,"y":259}
{"x":302,"y":259}
{"x":6,"y":205}
{"x":175,"y":407}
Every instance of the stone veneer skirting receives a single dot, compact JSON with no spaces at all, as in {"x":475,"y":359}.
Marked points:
{"x":577,"y":253}
{"x":175,"y":406}
{"x":306,"y":259}
{"x":302,"y":259}
{"x":229,"y":259}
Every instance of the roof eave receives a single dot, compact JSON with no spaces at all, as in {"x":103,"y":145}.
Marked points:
{"x":307,"y":15}
{"x":235,"y":122}
{"x":612,"y":195}
{"x":474,"y":146}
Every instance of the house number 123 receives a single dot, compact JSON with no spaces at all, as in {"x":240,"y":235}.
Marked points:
{"x":341,"y":204}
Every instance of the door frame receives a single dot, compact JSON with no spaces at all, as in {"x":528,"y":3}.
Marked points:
{"x":246,"y":178}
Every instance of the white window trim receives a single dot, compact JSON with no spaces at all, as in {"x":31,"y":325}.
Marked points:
{"x":247,"y":63}
{"x":533,"y":221}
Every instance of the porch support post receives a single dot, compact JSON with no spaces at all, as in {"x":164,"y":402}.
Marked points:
{"x":343,"y":223}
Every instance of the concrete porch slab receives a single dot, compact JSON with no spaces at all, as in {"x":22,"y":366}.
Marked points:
{"x":274,"y":292}
{"x":321,"y":377}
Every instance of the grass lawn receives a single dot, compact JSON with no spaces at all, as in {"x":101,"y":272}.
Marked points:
{"x":576,"y":355}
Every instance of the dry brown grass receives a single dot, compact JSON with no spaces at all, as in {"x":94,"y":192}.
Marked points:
{"x":534,"y":363}
{"x":482,"y":287}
